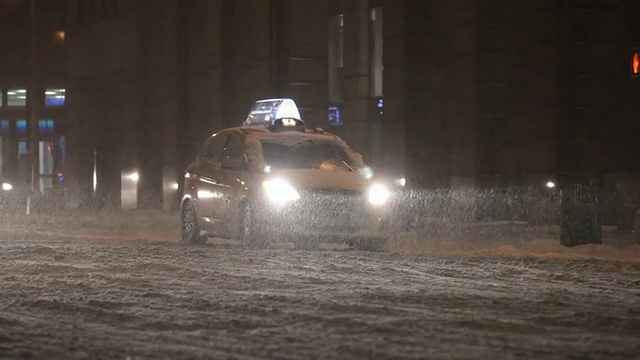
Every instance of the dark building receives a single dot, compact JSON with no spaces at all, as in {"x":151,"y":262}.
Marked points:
{"x":449,"y":94}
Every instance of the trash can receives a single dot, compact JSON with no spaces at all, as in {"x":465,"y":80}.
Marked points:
{"x":581,"y":209}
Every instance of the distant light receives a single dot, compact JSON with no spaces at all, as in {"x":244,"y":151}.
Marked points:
{"x":133,"y":176}
{"x":267,"y":169}
{"x":551,"y":184}
{"x":401,"y":182}
{"x":635,"y":64}
{"x":334,"y":115}
{"x":95,"y":178}
{"x":175,"y":186}
{"x":6,"y":186}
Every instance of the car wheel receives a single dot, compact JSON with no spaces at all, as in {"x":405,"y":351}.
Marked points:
{"x":189,"y":226}
{"x":249,"y":235}
{"x":370,"y":244}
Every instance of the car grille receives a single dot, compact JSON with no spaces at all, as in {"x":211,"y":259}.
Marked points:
{"x":333,"y":210}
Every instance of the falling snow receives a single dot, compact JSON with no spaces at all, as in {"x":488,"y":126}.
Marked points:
{"x":108,"y":285}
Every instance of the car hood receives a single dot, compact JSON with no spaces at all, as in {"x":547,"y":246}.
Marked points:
{"x":321,"y":179}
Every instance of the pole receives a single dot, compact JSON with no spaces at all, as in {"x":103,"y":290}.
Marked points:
{"x":33,"y":98}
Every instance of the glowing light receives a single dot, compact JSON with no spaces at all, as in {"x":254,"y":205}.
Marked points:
{"x":550,"y":184}
{"x":267,"y":169}
{"x":59,"y":35}
{"x":401,"y":182}
{"x":7,"y":186}
{"x":635,"y":66}
{"x":378,"y":194}
{"x":133,"y":176}
{"x":279,"y":191}
{"x":175,"y":186}
{"x":205,"y":194}
{"x":366,"y":172}
{"x":95,"y":178}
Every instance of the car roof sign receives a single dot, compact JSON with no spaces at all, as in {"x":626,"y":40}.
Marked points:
{"x":266,"y":112}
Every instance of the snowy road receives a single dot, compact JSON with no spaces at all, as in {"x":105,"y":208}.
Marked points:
{"x":99,"y":290}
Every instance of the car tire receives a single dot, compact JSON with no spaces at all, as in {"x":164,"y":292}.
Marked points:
{"x":189,"y":225}
{"x":370,"y":244}
{"x":249,"y":234}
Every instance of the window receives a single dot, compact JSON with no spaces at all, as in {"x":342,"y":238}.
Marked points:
{"x":336,"y":57}
{"x":45,"y":127}
{"x":21,"y":128}
{"x":234,"y":148}
{"x":54,"y":97}
{"x":375,"y":48}
{"x":214,"y":149}
{"x":17,"y":97}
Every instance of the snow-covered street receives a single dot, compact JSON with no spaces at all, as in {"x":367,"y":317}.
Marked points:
{"x":118,"y":286}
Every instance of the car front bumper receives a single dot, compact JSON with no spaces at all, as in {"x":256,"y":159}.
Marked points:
{"x":327,"y":218}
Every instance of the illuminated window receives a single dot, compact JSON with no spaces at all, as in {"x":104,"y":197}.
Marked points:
{"x":45,"y":127}
{"x":22,"y":148}
{"x":54,"y":97}
{"x":21,"y":127}
{"x":375,"y":56}
{"x":635,"y":63}
{"x":16,"y":97}
{"x":336,"y":57}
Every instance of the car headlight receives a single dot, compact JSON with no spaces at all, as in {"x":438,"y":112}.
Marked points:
{"x":279,"y":191}
{"x":6,"y":186}
{"x":378,"y":194}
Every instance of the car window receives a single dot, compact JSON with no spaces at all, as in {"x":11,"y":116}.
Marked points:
{"x":216,"y":145}
{"x":308,"y":155}
{"x":234,"y":147}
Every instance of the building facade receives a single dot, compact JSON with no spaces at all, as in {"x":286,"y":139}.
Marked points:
{"x":449,"y":94}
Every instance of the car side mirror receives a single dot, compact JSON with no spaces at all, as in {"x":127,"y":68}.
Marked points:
{"x":231,"y":164}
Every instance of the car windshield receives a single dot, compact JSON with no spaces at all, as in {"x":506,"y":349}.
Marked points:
{"x":323,"y":155}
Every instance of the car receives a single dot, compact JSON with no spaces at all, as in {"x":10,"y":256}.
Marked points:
{"x":273,"y":179}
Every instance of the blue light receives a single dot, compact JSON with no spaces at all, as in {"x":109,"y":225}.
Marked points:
{"x":54,"y":97}
{"x":21,"y":127}
{"x":4,"y":126}
{"x":334,"y":115}
{"x":380,"y":105}
{"x":45,"y":127}
{"x":54,"y":101}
